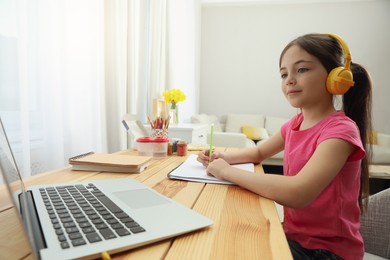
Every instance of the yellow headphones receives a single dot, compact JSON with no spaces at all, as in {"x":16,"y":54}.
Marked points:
{"x":340,"y":79}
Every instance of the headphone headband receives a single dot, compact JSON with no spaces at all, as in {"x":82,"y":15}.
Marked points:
{"x":347,"y":53}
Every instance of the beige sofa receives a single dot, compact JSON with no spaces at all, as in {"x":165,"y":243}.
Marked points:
{"x":228,"y":132}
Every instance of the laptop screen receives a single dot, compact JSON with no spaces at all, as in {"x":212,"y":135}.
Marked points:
{"x":10,"y":221}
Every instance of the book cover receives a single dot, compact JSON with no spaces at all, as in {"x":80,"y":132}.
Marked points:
{"x":110,"y":162}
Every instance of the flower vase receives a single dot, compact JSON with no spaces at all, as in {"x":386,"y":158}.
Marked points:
{"x":174,"y":115}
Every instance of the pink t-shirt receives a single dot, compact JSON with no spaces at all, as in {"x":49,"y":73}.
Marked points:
{"x":332,"y":220}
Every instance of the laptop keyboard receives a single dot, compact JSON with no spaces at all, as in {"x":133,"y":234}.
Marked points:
{"x":82,"y":214}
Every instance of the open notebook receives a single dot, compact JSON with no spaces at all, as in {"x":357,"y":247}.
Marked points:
{"x":192,"y":170}
{"x":81,"y":220}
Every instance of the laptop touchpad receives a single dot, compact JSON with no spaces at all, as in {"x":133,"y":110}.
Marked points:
{"x":137,"y":199}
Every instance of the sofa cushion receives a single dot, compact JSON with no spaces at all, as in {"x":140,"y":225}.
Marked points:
{"x":383,"y":139}
{"x":373,"y":139}
{"x":380,"y":154}
{"x":234,"y":122}
{"x":254,"y":133}
{"x":207,"y":119}
{"x":273,"y":124}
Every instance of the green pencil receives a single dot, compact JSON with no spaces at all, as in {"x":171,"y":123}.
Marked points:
{"x":211,"y":142}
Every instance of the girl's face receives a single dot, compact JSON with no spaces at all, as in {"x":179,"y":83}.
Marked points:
{"x":303,"y":79}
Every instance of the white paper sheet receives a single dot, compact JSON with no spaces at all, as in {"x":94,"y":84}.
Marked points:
{"x":192,"y":170}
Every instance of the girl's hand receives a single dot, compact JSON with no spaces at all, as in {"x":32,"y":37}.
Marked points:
{"x":217,"y":168}
{"x":204,"y":158}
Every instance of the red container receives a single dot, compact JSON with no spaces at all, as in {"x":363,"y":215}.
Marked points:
{"x":145,"y":146}
{"x":160,"y":147}
{"x":181,"y":149}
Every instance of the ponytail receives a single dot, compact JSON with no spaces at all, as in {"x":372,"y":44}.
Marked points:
{"x":357,"y":106}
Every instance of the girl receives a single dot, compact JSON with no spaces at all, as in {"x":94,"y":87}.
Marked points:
{"x":325,"y":180}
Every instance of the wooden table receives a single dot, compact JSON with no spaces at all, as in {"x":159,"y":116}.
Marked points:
{"x":246,"y":226}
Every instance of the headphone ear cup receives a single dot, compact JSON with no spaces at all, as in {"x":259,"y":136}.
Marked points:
{"x":339,"y":81}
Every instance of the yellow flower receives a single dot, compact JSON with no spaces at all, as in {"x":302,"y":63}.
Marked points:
{"x":173,"y":96}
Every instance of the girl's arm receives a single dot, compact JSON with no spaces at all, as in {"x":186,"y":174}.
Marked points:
{"x":292,"y":191}
{"x":256,"y":154}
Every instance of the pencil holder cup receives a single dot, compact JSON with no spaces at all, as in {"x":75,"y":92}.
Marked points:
{"x":159,"y":132}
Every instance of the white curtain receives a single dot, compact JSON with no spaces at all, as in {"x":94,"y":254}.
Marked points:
{"x":184,"y":19}
{"x":52,"y":80}
{"x":151,"y":46}
{"x":70,"y":69}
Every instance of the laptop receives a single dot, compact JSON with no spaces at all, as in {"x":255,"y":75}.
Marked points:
{"x":82,"y":220}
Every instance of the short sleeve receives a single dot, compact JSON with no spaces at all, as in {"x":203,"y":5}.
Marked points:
{"x":348,"y":131}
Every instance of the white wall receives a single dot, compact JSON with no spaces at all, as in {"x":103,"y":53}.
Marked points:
{"x":241,"y":44}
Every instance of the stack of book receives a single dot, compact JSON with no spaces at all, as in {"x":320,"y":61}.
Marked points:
{"x":101,"y":162}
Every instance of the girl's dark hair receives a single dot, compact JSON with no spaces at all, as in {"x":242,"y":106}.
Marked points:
{"x":356,"y":101}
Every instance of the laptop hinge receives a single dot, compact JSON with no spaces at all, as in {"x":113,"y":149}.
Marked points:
{"x":32,"y":222}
